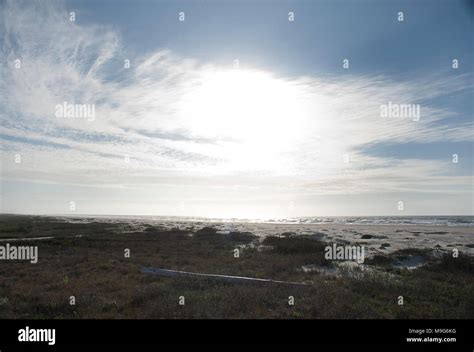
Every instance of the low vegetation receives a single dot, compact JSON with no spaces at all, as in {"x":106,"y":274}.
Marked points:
{"x":106,"y":284}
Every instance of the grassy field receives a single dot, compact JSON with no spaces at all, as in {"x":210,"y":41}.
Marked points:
{"x":106,"y":284}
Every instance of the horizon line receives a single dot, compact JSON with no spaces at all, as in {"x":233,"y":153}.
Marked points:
{"x":238,"y":218}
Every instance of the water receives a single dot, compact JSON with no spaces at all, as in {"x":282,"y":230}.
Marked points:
{"x":464,"y":221}
{"x":385,"y":220}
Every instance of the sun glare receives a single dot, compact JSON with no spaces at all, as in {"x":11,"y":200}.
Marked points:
{"x":253,"y":116}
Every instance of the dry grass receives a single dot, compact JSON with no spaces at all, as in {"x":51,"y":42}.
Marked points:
{"x":108,"y":285}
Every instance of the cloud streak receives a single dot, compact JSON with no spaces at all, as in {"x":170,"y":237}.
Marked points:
{"x":144,"y":132}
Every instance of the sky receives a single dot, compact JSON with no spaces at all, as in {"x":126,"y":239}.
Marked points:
{"x":230,"y":109}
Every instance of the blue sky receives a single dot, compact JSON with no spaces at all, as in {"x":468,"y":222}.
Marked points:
{"x":367,"y":32}
{"x":183,"y":132}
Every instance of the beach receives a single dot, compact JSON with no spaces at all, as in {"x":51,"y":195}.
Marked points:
{"x":116,"y":267}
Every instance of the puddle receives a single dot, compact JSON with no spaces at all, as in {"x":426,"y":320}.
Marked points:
{"x":410,"y":263}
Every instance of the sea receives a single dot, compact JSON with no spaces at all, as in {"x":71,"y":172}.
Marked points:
{"x":464,"y":221}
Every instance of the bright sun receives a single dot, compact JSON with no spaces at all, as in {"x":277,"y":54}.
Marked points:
{"x":254,"y":116}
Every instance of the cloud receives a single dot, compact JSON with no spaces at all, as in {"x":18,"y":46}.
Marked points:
{"x":150,"y":128}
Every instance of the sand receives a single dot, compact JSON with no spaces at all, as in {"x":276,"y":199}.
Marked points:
{"x":382,"y":239}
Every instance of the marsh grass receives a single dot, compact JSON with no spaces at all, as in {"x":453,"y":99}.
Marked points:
{"x":107,"y":285}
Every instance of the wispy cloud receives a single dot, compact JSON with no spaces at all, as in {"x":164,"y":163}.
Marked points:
{"x":144,"y":131}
